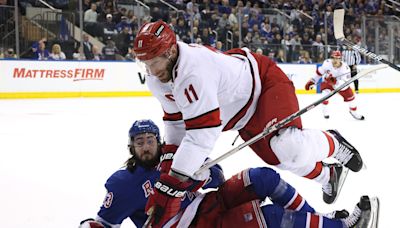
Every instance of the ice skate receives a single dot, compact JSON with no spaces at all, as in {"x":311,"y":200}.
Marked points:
{"x":346,"y":154}
{"x":365,"y":214}
{"x":331,"y":190}
{"x":356,"y":116}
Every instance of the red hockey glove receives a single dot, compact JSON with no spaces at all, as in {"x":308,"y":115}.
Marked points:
{"x":330,"y":79}
{"x":166,"y":200}
{"x":310,"y":84}
{"x":90,"y":223}
{"x":167,"y":155}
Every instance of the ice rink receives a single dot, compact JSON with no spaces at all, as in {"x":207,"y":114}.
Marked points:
{"x":56,"y":154}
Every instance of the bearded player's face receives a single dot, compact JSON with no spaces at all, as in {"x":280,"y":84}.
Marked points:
{"x":146,"y":149}
{"x":161,"y":66}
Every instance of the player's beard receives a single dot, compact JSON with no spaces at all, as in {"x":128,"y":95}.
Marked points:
{"x":150,"y":163}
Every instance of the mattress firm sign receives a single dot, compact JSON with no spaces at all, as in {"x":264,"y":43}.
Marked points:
{"x":71,"y":78}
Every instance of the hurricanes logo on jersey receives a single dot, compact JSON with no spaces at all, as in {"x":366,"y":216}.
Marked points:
{"x":108,"y":200}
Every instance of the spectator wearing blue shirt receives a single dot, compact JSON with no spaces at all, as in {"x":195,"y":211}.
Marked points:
{"x":41,"y":52}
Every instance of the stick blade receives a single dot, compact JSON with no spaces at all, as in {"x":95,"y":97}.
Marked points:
{"x":338,"y":23}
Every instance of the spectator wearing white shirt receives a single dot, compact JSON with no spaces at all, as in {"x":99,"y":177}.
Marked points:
{"x":90,"y":20}
{"x":56,"y":53}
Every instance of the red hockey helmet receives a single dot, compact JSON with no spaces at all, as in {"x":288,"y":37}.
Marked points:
{"x":336,"y":54}
{"x":153,"y":39}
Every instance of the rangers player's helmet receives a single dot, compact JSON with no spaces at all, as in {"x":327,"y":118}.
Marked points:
{"x":144,"y":126}
{"x":153,"y":39}
{"x":336,"y":54}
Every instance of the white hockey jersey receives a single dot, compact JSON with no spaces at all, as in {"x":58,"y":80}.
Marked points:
{"x":342,"y":73}
{"x":210,"y":92}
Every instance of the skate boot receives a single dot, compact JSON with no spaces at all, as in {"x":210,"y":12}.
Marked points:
{"x":346,"y":154}
{"x":356,"y":116}
{"x":365,"y":214}
{"x":331,"y":190}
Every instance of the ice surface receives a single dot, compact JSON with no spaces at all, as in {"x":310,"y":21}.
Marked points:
{"x":56,"y":154}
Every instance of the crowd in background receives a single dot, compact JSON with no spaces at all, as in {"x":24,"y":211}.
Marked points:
{"x":297,"y":39}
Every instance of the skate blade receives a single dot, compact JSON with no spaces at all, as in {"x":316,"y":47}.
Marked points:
{"x":374,"y":212}
{"x":343,"y":177}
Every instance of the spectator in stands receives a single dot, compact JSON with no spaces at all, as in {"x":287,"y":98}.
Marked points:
{"x":195,"y":34}
{"x":156,"y":14}
{"x":131,"y":55}
{"x":207,"y":37}
{"x":318,"y":46}
{"x":123,"y":40}
{"x":41,"y":52}
{"x":109,"y":28}
{"x":256,"y":39}
{"x":90,"y":20}
{"x":181,"y":30}
{"x":248,"y":39}
{"x":280,"y":56}
{"x":87,"y":47}
{"x":8,"y":54}
{"x":77,"y":54}
{"x":232,"y":19}
{"x":304,"y":58}
{"x":86,"y":5}
{"x":57,"y":53}
{"x":96,"y":53}
{"x":213,"y":22}
{"x":111,"y":5}
{"x":110,"y":51}
{"x":219,"y":46}
{"x":259,"y":51}
{"x":124,"y":23}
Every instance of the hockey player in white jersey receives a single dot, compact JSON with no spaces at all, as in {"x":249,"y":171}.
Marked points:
{"x":204,"y":92}
{"x":334,"y":73}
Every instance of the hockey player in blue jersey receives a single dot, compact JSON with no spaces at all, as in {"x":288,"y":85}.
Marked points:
{"x":129,"y":188}
{"x":235,"y":204}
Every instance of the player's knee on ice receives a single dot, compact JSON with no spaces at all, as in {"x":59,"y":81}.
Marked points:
{"x":297,"y":148}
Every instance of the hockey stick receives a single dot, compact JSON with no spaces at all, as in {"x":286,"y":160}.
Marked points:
{"x":277,"y":126}
{"x":338,"y":23}
{"x":288,"y":119}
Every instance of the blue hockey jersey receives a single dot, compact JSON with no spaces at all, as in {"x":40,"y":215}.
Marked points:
{"x":127,"y":194}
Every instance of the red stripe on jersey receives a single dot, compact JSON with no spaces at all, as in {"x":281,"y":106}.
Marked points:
{"x":172,"y":116}
{"x":331,"y":144}
{"x":314,"y":221}
{"x":206,"y":120}
{"x":315,"y":172}
{"x":232,"y":122}
{"x":295,"y":204}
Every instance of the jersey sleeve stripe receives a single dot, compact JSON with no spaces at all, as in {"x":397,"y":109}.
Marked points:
{"x":172,"y":116}
{"x":232,"y":122}
{"x":207,"y":120}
